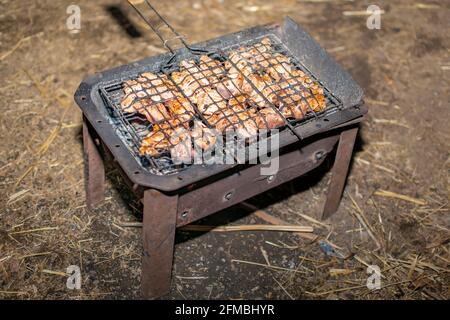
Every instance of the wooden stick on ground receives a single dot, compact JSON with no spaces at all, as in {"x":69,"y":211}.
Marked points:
{"x":56,"y":273}
{"x":267,"y":266}
{"x":390,"y":194}
{"x":274,"y":220}
{"x":34,"y":230}
{"x":359,"y":214}
{"x":251,"y":227}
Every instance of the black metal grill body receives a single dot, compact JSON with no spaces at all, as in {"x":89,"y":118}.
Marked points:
{"x":96,"y":94}
{"x":179,"y":198}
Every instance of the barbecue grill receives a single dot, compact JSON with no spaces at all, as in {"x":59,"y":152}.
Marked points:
{"x":176,"y":193}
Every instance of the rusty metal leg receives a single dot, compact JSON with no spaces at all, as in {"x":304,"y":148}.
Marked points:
{"x":93,"y":169}
{"x":339,"y":171}
{"x":160,"y":216}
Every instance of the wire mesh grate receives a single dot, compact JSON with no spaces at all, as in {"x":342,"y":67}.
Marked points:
{"x":241,"y":90}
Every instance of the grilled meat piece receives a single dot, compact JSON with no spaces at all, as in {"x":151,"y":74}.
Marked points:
{"x":212,"y":69}
{"x":162,"y":138}
{"x":193,"y":76}
{"x":154,"y":112}
{"x":203,"y":137}
{"x":155,"y":98}
{"x":235,"y":118}
{"x":247,"y":59}
{"x":271,"y":80}
{"x":181,"y":146}
{"x":198,"y":81}
{"x":157,"y":88}
{"x":231,"y":85}
{"x":187,"y":83}
{"x":181,"y":109}
{"x":182,"y":152}
{"x":178,"y":140}
{"x":268,"y":119}
{"x":183,"y":140}
{"x":255,"y":89}
{"x":209,"y":101}
{"x":155,"y":143}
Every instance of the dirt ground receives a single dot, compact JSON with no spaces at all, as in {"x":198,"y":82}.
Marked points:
{"x":403,"y":147}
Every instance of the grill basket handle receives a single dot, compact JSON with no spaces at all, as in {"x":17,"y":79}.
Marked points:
{"x":165,"y":32}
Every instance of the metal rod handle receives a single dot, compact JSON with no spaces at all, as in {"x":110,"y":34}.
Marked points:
{"x":160,"y":23}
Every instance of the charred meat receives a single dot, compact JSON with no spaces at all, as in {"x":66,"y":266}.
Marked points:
{"x":254,"y":89}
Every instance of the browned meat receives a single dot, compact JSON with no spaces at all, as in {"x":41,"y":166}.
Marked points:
{"x":198,"y":81}
{"x":164,"y":136}
{"x":211,"y":69}
{"x":236,"y":118}
{"x":156,"y":88}
{"x":255,"y":89}
{"x":231,"y":85}
{"x":181,"y":109}
{"x":155,"y":143}
{"x":268,"y":118}
{"x":154,"y":112}
{"x":181,"y":145}
{"x":209,"y":101}
{"x":203,"y":137}
{"x":178,"y":141}
{"x":279,"y":85}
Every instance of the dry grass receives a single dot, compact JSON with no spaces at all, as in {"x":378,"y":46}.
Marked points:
{"x":394,"y":214}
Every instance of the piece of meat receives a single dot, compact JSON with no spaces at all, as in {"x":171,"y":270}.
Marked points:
{"x":245,"y":65}
{"x":259,"y":89}
{"x":182,"y":152}
{"x":157,"y":99}
{"x":178,"y":141}
{"x":304,"y":94}
{"x":164,"y":137}
{"x":296,"y":89}
{"x":197,"y":82}
{"x":235,"y":119}
{"x":181,"y":146}
{"x":187,"y":83}
{"x":203,"y":137}
{"x":271,"y":80}
{"x":246,"y":59}
{"x":279,"y":70}
{"x":133,"y":92}
{"x":231,"y":85}
{"x":255,"y":89}
{"x":209,"y":101}
{"x":248,"y":128}
{"x":245,"y":81}
{"x":223,"y":119}
{"x":155,"y":143}
{"x":211,"y":69}
{"x":181,"y":109}
{"x":147,"y":86}
{"x":268,"y":118}
{"x":154,"y":112}
{"x":146,"y":94}
{"x":193,"y":76}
